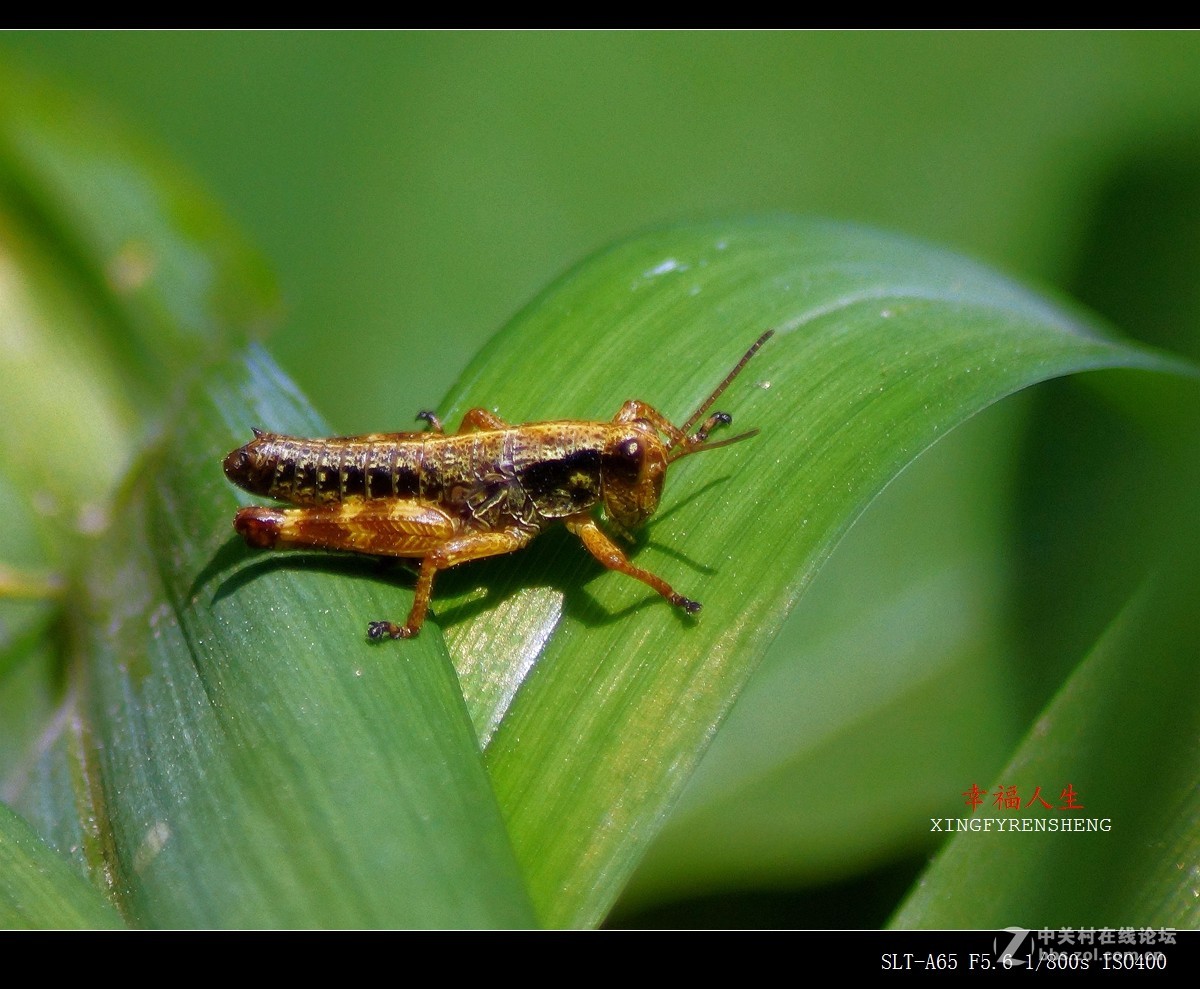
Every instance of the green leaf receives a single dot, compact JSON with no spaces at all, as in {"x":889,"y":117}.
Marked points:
{"x":175,"y":283}
{"x":228,"y":749}
{"x":202,"y":760}
{"x":207,"y":736}
{"x":889,"y":684}
{"x":594,"y":704}
{"x":257,"y":762}
{"x":119,"y":281}
{"x":1124,"y":733}
{"x":39,"y":889}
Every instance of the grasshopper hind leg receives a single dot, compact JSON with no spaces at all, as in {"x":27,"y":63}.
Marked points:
{"x":461,"y":549}
{"x":376,"y":631}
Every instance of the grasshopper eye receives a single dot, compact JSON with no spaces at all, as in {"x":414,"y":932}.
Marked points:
{"x":631,"y":450}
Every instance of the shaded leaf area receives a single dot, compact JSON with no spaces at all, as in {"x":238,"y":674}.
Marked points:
{"x":170,"y":277}
{"x":26,"y":610}
{"x":119,"y":280}
{"x":1107,"y":491}
{"x":39,"y":889}
{"x":1105,"y":496}
{"x":888,"y":686}
{"x":1124,"y":733}
{"x":1111,"y":466}
{"x":251,"y":760}
{"x":69,"y":416}
{"x":594,"y":702}
{"x":139,"y":738}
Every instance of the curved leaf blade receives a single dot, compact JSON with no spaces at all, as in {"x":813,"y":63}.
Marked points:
{"x":38,"y":889}
{"x":1124,"y":732}
{"x":594,"y":705}
{"x":177,"y":283}
{"x":856,"y":721}
{"x":258,"y":762}
{"x":119,"y":279}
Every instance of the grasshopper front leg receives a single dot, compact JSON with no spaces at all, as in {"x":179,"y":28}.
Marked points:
{"x":597,"y":542}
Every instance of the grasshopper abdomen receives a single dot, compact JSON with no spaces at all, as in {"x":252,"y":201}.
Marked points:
{"x":320,"y":472}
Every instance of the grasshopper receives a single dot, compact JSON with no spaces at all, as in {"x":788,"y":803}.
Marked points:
{"x":444,"y":499}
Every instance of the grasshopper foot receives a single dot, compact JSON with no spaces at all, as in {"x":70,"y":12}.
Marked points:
{"x":713,"y":421}
{"x":434,"y":422}
{"x":687,"y":604}
{"x":388,"y":630}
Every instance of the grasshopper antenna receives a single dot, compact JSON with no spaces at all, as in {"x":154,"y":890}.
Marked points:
{"x":686,"y":444}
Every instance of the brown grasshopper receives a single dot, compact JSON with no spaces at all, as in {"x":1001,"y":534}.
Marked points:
{"x":483,"y":491}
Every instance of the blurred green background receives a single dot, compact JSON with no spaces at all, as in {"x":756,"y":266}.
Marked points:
{"x":413,"y":191}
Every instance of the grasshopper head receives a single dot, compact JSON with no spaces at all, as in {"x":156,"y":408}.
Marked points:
{"x":633,"y":465}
